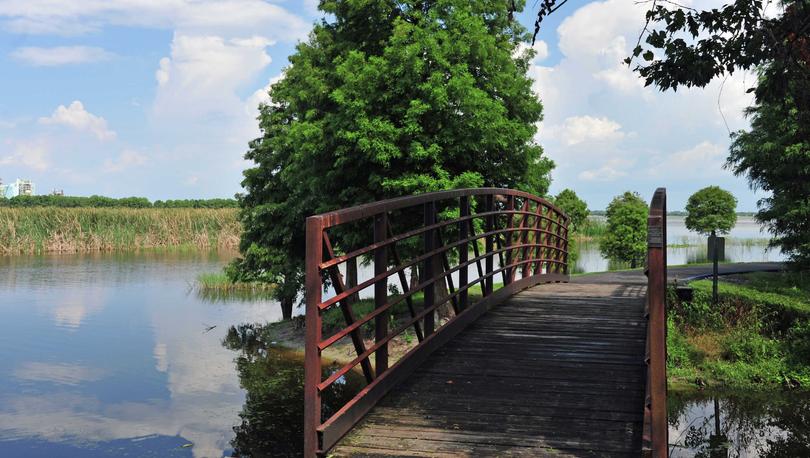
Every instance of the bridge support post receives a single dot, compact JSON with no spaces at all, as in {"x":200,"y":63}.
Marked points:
{"x":510,"y":206}
{"x":312,"y":357}
{"x":427,"y":266}
{"x":655,"y":415}
{"x":381,"y":292}
{"x":463,"y":251}
{"x":489,"y":227}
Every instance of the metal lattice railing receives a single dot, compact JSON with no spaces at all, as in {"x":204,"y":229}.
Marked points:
{"x":441,"y":235}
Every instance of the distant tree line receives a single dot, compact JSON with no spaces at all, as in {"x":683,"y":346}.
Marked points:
{"x":124,"y":202}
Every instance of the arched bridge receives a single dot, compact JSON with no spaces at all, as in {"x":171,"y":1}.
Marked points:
{"x":485,"y":346}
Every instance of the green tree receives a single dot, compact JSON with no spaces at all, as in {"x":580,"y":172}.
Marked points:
{"x":626,"y":236}
{"x":387,"y":98}
{"x":711,"y":211}
{"x":690,"y":47}
{"x":573,"y":206}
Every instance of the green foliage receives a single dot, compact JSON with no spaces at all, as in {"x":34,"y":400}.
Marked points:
{"x":695,"y":46}
{"x":711,"y":211}
{"x":110,"y":202}
{"x":775,"y":155}
{"x":272,"y":417}
{"x":387,"y":98}
{"x":758,"y":334}
{"x":196,"y":203}
{"x":626,"y":237}
{"x":573,"y":206}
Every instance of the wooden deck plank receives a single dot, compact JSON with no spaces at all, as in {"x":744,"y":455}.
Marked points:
{"x":556,"y":370}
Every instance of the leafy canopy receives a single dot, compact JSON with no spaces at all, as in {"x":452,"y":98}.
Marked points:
{"x":626,"y":236}
{"x":573,"y":206}
{"x":711,"y":210}
{"x":387,"y":98}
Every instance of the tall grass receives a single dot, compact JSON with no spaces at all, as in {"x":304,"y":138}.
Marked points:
{"x":592,"y":229}
{"x":216,"y":286}
{"x":73,"y":230}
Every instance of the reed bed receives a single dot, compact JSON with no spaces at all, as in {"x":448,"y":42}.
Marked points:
{"x":216,"y":286}
{"x":76,"y":230}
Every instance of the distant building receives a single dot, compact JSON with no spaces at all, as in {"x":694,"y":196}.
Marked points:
{"x":17,"y":188}
{"x":58,"y":192}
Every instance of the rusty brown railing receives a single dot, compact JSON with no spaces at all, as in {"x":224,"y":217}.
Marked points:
{"x":656,"y":431}
{"x":439,"y":234}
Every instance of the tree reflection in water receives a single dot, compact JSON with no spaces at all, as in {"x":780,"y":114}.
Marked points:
{"x":739,"y":425}
{"x":273,"y":380}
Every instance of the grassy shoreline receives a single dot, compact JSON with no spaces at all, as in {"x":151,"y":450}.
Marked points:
{"x":756,"y":338}
{"x":39,"y":230}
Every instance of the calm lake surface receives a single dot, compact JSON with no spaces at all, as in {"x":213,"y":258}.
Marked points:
{"x":104,"y":355}
{"x":116,"y":354}
{"x":739,"y":425}
{"x":746,"y":243}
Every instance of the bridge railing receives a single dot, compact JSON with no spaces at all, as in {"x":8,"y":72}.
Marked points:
{"x":656,"y":430}
{"x":513,"y":235}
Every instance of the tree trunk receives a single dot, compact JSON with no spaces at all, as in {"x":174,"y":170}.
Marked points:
{"x":287,"y":307}
{"x":633,"y":264}
{"x":414,"y":278}
{"x":440,"y":292}
{"x":351,"y":278}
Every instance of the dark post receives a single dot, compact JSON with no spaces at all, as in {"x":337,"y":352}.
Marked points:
{"x":381,"y":292}
{"x":656,"y":324}
{"x":312,"y":355}
{"x":489,"y":227}
{"x":714,"y":268}
{"x":510,"y":205}
{"x":427,"y":266}
{"x":463,"y":250}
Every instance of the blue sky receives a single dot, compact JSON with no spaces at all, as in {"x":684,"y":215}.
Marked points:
{"x":158,"y":98}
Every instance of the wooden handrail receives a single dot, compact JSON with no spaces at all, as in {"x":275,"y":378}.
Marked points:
{"x":656,"y":431}
{"x":531,"y":232}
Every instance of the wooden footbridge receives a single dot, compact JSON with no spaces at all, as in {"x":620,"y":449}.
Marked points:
{"x":507,"y":356}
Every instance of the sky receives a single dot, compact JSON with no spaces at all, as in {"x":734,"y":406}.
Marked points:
{"x":158,"y":98}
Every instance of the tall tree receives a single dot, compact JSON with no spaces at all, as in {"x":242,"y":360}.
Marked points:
{"x":387,"y":98}
{"x":711,"y":210}
{"x":626,"y":236}
{"x":573,"y":206}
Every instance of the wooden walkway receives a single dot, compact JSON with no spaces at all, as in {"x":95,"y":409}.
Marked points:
{"x":556,"y":370}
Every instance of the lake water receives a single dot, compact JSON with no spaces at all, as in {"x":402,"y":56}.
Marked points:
{"x":747,"y":242}
{"x":116,"y":354}
{"x":739,"y":425}
{"x":106,"y":354}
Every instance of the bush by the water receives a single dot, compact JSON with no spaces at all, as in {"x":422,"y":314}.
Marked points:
{"x":72,"y":230}
{"x":109,"y":202}
{"x":757,"y":335}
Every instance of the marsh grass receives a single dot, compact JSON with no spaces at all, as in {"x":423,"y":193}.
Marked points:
{"x":76,"y":230}
{"x":591,"y":229}
{"x":216,"y":287}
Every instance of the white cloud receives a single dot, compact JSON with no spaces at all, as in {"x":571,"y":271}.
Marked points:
{"x":610,"y":171}
{"x":540,"y":48}
{"x":126,"y":160}
{"x":59,"y":373}
{"x":203,"y":73}
{"x":705,"y":159}
{"x":595,"y":107}
{"x":581,"y":129}
{"x":30,"y":154}
{"x":223,"y":17}
{"x":76,"y":117}
{"x":60,"y":55}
